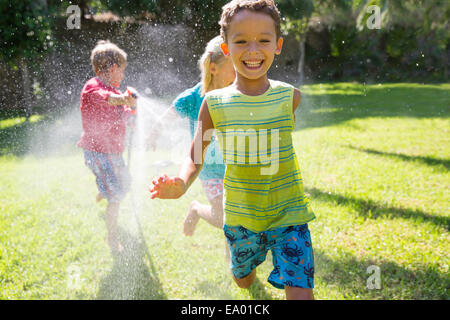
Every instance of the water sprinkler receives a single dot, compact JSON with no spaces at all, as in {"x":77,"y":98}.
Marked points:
{"x":132,"y":92}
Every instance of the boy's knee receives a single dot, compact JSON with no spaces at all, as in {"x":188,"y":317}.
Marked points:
{"x":246,"y":282}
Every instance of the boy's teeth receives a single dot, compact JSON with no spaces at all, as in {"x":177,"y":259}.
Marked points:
{"x":253,"y":63}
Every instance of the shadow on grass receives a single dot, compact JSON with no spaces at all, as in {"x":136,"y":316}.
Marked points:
{"x":373,"y":210}
{"x":133,"y":276}
{"x":16,"y":138}
{"x":351,"y":276}
{"x":426,"y":160}
{"x":341,"y":102}
{"x":41,"y":135}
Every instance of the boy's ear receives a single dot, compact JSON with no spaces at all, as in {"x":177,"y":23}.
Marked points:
{"x":279,"y":45}
{"x":224,"y":48}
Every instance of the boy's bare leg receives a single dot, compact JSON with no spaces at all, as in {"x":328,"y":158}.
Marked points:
{"x":294,"y":293}
{"x":247,"y":281}
{"x":112,"y":213}
{"x":213,"y":214}
{"x":99,"y":197}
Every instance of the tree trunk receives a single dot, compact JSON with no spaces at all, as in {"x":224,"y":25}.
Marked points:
{"x":301,"y":62}
{"x":26,"y":87}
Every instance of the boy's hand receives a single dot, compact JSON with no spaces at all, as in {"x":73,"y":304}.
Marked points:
{"x":130,"y":100}
{"x":167,"y":188}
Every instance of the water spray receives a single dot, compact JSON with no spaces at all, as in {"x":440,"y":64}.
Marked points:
{"x":132,"y":92}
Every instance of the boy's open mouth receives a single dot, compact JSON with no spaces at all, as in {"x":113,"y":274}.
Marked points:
{"x":253,"y":64}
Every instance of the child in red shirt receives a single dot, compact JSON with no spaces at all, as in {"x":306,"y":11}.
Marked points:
{"x":104,"y":114}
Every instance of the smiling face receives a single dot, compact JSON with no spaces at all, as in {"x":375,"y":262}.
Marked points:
{"x":252,"y":43}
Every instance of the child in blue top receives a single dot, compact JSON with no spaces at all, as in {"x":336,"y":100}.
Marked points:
{"x":217,"y":72}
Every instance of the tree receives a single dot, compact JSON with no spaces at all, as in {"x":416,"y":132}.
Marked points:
{"x":426,"y":21}
{"x":201,"y":15}
{"x":25,"y":35}
{"x":296,"y":14}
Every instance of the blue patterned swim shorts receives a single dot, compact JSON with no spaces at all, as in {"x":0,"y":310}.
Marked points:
{"x":292,"y":254}
{"x":112,"y":176}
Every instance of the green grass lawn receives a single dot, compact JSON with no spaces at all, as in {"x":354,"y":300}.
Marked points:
{"x":375,"y":163}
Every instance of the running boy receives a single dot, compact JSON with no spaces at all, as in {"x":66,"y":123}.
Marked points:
{"x":104,"y":114}
{"x":264,"y":203}
{"x":216,"y":72}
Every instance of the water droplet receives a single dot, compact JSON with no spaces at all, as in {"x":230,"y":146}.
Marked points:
{"x":170,"y":59}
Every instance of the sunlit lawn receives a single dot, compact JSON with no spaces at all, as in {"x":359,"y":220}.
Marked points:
{"x":375,"y":162}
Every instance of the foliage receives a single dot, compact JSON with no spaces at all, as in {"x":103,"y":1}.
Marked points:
{"x":200,"y":14}
{"x":411,"y":43}
{"x":334,"y":12}
{"x":25,"y":30}
{"x":296,"y":15}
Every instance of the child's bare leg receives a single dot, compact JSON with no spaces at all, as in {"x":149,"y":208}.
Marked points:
{"x":112,"y":213}
{"x":213,"y":214}
{"x":246,"y":281}
{"x":99,"y":197}
{"x":294,"y":293}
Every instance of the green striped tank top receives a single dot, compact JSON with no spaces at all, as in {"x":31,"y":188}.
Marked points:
{"x":263,"y":186}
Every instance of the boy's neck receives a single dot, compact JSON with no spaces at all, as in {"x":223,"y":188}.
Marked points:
{"x":252,"y":87}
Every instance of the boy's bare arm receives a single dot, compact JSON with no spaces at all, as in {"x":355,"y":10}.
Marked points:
{"x":296,"y":100}
{"x":122,"y":99}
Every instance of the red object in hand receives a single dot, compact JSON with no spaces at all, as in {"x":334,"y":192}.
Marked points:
{"x":132,"y":92}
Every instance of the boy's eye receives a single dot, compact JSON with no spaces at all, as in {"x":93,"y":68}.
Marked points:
{"x":240,"y":42}
{"x":264,"y":40}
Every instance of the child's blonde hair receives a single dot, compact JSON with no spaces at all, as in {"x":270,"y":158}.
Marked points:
{"x":213,"y":53}
{"x":105,"y":55}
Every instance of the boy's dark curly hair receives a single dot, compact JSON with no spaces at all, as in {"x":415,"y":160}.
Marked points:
{"x":233,"y":7}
